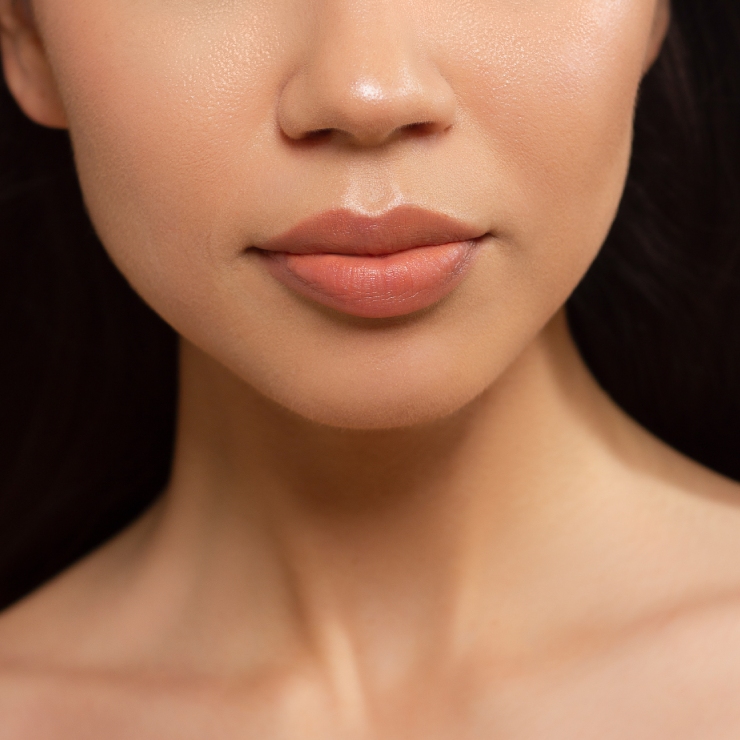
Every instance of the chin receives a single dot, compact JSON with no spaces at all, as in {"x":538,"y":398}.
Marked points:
{"x":376,"y":414}
{"x":379,"y":403}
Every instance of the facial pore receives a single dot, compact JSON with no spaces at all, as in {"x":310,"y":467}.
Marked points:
{"x":204,"y":127}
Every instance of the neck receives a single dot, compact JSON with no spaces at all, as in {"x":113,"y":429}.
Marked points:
{"x":376,"y":550}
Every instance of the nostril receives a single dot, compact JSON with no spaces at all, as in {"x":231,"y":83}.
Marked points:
{"x":319,"y":133}
{"x":423,"y":128}
{"x":418,"y":127}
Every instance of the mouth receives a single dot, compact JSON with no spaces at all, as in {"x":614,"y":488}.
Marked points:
{"x":394,"y":264}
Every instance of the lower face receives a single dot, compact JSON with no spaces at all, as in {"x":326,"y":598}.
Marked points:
{"x":209,"y":133}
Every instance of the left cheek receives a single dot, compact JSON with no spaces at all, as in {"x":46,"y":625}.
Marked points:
{"x":554,"y":92}
{"x":573,"y":141}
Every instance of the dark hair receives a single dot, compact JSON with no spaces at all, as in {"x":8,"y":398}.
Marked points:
{"x":89,"y":371}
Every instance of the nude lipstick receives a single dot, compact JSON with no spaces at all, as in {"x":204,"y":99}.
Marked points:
{"x":381,"y":266}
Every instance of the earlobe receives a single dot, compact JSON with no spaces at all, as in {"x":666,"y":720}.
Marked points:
{"x":661,"y":23}
{"x":27,"y":71}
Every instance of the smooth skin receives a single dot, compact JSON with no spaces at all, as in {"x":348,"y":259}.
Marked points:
{"x":436,"y":526}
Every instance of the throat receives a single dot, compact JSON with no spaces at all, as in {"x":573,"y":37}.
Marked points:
{"x":376,"y":543}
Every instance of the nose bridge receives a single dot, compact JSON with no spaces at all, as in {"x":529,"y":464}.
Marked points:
{"x":371,"y":38}
{"x":364,"y":75}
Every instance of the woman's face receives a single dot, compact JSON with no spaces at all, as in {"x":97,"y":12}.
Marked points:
{"x":204,"y":129}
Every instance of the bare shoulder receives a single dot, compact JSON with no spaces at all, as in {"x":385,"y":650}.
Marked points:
{"x":676,"y":676}
{"x":682,"y":518}
{"x":45,"y":704}
{"x":68,"y":619}
{"x":49,"y":704}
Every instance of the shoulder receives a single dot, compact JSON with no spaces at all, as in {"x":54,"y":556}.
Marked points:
{"x":673,"y":676}
{"x":676,"y":675}
{"x":39,"y":704}
{"x":53,"y":704}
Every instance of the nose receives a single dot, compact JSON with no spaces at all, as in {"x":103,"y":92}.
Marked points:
{"x":364,"y":79}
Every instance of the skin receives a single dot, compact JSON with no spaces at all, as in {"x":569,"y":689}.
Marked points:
{"x":432,"y":526}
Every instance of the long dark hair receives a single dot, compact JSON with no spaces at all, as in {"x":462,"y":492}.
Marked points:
{"x":89,"y":372}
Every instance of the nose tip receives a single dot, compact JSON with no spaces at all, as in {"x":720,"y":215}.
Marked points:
{"x":366,"y":88}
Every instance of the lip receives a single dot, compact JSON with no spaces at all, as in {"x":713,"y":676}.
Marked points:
{"x":392,"y":264}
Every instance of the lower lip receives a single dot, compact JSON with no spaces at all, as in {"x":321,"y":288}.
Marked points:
{"x":375,"y":286}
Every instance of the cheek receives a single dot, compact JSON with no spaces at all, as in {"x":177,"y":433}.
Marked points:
{"x":168,"y":116}
{"x":553,"y":91}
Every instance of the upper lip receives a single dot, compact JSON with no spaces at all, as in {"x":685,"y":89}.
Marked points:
{"x":346,"y":232}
